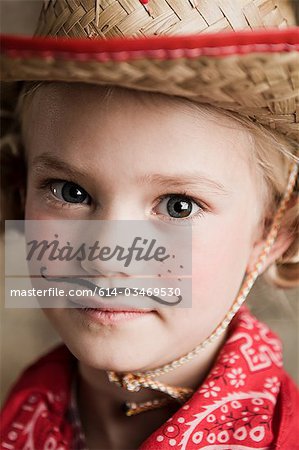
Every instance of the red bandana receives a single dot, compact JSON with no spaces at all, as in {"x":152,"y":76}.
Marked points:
{"x":246,"y":402}
{"x":235,"y":404}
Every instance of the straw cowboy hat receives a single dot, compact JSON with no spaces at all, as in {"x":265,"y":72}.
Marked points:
{"x":241,"y":55}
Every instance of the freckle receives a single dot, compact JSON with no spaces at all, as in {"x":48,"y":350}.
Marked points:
{"x":173,"y":256}
{"x":56,"y":235}
{"x":181,"y":267}
{"x":169,"y":271}
{"x":159,"y":274}
{"x":68,"y":243}
{"x":179,"y":279}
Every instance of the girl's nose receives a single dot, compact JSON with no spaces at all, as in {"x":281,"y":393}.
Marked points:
{"x":113,"y":245}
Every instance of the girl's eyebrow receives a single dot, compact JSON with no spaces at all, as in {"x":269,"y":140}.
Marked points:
{"x":47,"y":161}
{"x":191,"y":180}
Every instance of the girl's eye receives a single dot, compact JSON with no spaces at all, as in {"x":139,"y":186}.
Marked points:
{"x":178,"y":206}
{"x":69,"y":192}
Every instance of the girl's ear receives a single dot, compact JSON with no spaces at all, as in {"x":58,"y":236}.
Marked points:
{"x":281,"y":244}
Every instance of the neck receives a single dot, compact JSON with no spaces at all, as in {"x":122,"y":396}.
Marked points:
{"x":101,"y":399}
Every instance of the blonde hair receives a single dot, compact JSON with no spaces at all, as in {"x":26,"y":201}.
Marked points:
{"x":272,"y":154}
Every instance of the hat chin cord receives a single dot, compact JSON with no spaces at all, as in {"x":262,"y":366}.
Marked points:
{"x":134,"y":381}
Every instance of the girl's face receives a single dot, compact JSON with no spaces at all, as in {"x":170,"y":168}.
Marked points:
{"x":129,"y":158}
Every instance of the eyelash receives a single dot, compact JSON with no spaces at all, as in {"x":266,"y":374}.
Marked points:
{"x":46,"y":184}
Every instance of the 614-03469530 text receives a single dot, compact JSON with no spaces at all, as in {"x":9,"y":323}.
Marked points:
{"x":57,"y":292}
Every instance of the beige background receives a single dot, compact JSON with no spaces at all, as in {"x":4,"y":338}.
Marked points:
{"x":26,"y":334}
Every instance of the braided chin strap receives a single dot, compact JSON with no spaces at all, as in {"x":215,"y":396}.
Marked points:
{"x":135,"y":381}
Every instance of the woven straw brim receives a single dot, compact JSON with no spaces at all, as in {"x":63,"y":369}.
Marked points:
{"x":256,"y":74}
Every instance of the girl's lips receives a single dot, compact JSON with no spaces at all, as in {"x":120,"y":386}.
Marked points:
{"x":111,"y":316}
{"x":113,"y":306}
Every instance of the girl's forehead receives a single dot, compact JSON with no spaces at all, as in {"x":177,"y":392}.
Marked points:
{"x":59,"y":98}
{"x":104,"y":96}
{"x":133,"y":116}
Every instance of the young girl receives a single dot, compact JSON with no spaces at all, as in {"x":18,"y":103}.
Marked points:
{"x":197,"y":129}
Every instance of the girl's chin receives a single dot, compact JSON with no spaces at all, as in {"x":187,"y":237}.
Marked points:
{"x":111,"y":343}
{"x":122,"y":358}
